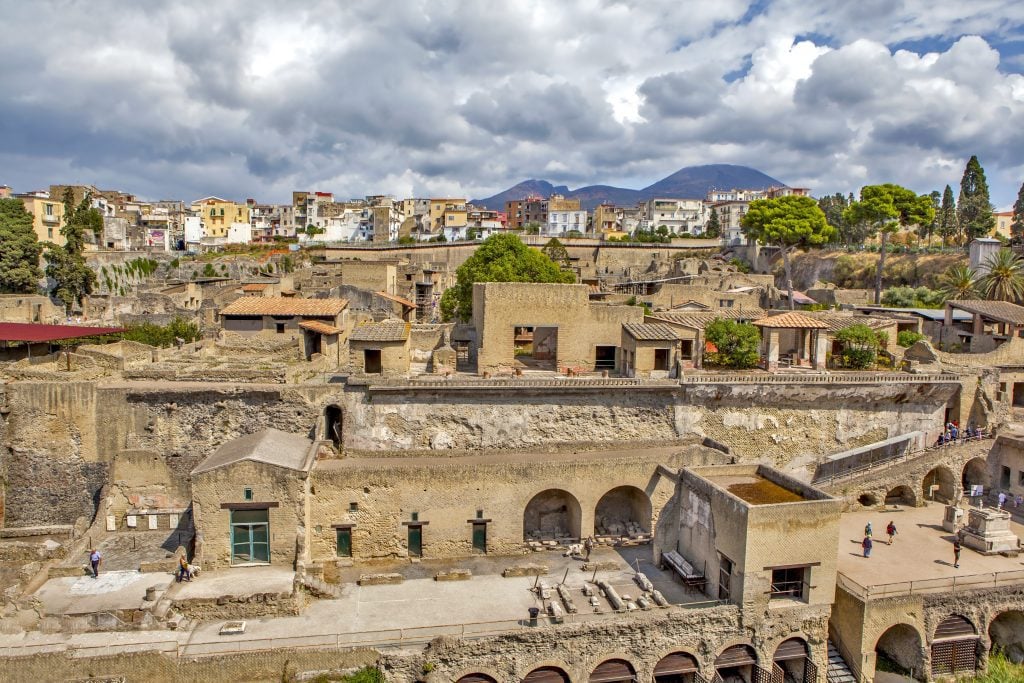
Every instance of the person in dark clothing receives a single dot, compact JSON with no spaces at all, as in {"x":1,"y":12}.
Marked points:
{"x":866,"y":544}
{"x":956,"y":554}
{"x":890,"y":530}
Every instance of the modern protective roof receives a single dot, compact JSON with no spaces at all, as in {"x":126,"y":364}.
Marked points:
{"x":698,"y":320}
{"x":838,"y":321}
{"x":254,"y":287}
{"x":650,"y":331}
{"x":270,"y":446}
{"x":1003,"y":311}
{"x":385,"y":331}
{"x":790,"y":321}
{"x":35,"y":332}
{"x":282,"y":305}
{"x":321,"y":327}
{"x":397,"y":299}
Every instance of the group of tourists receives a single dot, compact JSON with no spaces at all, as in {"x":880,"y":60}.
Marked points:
{"x":890,"y":530}
{"x":953,"y":434}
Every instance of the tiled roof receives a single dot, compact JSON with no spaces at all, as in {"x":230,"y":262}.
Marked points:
{"x":270,"y":446}
{"x":1002,"y":311}
{"x":279,"y":305}
{"x":836,"y":321}
{"x":317,"y":326}
{"x":386,"y":331}
{"x":698,"y":320}
{"x":397,"y":299}
{"x":791,"y":320}
{"x":254,"y":287}
{"x":650,"y":331}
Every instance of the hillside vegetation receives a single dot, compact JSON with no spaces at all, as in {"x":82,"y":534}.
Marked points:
{"x":857,"y":270}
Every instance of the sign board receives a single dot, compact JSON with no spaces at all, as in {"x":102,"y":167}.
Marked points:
{"x":977,"y":490}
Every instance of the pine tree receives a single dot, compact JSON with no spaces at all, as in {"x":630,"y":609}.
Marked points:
{"x":974,"y":206}
{"x":947,"y":224}
{"x":1017,"y":226}
{"x":713,"y":227}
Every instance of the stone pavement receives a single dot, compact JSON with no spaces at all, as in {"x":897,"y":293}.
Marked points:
{"x":922,"y":549}
{"x":239,"y":582}
{"x":111,"y":592}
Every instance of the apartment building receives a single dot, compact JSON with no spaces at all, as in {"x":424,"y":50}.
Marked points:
{"x":47,"y":215}
{"x":219,"y":214}
{"x":680,"y":216}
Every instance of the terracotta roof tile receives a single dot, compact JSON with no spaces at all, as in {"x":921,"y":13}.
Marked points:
{"x":1002,"y":311}
{"x":279,"y":305}
{"x":397,"y":299}
{"x":791,"y":320}
{"x":698,"y":320}
{"x":650,"y":331}
{"x":385,"y":331}
{"x":317,"y":326}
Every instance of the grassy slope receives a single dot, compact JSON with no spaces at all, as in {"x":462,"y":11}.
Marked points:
{"x":857,"y":270}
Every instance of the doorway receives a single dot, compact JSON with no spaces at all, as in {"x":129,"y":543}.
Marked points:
{"x":480,"y":537}
{"x":250,"y":536}
{"x":415,"y":540}
{"x":536,"y":347}
{"x":332,"y":425}
{"x":371,"y":362}
{"x":344,"y":538}
{"x":604,"y":357}
{"x":661,"y":359}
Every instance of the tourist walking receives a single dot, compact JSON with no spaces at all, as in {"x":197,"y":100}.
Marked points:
{"x":94,"y":559}
{"x":890,"y":530}
{"x":866,"y":544}
{"x":956,"y":554}
{"x":868,"y":531}
{"x":588,"y":546}
{"x":184,"y":572}
{"x":1002,"y":499}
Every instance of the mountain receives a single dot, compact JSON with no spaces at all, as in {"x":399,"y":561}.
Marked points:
{"x":687,"y":183}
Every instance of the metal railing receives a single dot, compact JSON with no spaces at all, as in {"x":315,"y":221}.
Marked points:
{"x":951,"y":584}
{"x":903,"y":457}
{"x":808,"y":378}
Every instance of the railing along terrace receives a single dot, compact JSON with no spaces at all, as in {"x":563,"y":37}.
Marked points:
{"x":903,"y":457}
{"x":949,"y":584}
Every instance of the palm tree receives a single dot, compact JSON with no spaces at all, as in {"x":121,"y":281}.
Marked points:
{"x":959,"y":282}
{"x":1005,"y":278}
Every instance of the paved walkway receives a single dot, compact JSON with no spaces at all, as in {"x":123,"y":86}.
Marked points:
{"x":110,"y":592}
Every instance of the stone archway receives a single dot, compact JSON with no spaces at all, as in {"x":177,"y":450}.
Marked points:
{"x":954,"y":647}
{"x":613,"y":671}
{"x":1006,"y":632}
{"x":623,"y":511}
{"x":792,"y":661}
{"x":552,"y":514}
{"x":939,"y":485}
{"x":477,"y":678}
{"x":899,"y":649}
{"x":676,"y":667}
{"x":901,"y":495}
{"x":975,"y":473}
{"x":738,"y":661}
{"x":547,"y":674}
{"x":868,"y":500}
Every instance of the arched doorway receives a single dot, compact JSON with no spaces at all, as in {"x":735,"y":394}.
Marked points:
{"x":477,"y":678}
{"x":677,"y":667}
{"x":623,"y":511}
{"x":975,"y":474}
{"x":868,"y":500}
{"x":332,"y":425}
{"x":547,"y":674}
{"x":939,"y":485}
{"x":613,"y":671}
{"x":738,"y":661}
{"x":792,"y":663}
{"x":899,"y":650}
{"x":954,"y":646}
{"x":552,"y":514}
{"x":1006,"y":632}
{"x":901,"y":495}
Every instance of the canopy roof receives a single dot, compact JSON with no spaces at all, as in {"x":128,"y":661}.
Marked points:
{"x":36,"y":332}
{"x":791,"y":321}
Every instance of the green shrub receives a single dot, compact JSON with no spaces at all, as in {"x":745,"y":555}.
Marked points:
{"x":162,"y":335}
{"x":860,"y":346}
{"x":908,"y":338}
{"x":738,"y":344}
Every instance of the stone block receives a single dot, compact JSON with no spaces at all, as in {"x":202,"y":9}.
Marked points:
{"x":454,"y":575}
{"x":525,"y":570}
{"x":380,"y":579}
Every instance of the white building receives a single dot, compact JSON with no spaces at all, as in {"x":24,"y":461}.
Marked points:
{"x":680,"y":216}
{"x":561,"y":222}
{"x":239,"y":233}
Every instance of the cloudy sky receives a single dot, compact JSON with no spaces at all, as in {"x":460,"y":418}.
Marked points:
{"x":253,"y":99}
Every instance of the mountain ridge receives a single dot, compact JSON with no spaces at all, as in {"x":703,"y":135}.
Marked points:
{"x":689,"y":182}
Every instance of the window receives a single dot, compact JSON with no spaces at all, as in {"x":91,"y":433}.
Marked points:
{"x":247,"y":494}
{"x":344,"y":541}
{"x":48,"y":209}
{"x":789,"y":582}
{"x":353,"y":507}
{"x":279,"y":327}
{"x":1020,"y":478}
{"x":724,"y":577}
{"x":661,"y":359}
{"x":725,"y":303}
{"x":479,"y":514}
{"x":250,"y":536}
{"x":49,"y":233}
{"x":415,"y":516}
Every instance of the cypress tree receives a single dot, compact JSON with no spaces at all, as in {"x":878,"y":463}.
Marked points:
{"x":1017,"y":226}
{"x":947,"y":225}
{"x":974,"y":209}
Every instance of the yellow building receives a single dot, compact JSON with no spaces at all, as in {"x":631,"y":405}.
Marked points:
{"x":218,"y":214}
{"x":605,"y":219}
{"x":1003,"y":221}
{"x":47,"y":216}
{"x":446,"y":212}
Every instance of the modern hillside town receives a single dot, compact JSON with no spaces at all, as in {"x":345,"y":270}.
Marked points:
{"x":576,"y":342}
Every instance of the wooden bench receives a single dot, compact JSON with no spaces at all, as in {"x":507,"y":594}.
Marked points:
{"x":677,"y":563}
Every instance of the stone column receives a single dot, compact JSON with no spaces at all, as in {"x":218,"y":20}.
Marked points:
{"x":820,"y":350}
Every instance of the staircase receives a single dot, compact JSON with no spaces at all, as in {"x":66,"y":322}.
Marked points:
{"x":319,"y":588}
{"x":838,"y":671}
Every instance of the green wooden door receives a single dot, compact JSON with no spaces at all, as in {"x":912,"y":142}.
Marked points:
{"x":480,"y":538}
{"x":250,"y":536}
{"x":344,"y":543}
{"x":415,"y":540}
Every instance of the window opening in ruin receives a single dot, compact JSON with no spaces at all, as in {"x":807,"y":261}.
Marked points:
{"x":279,"y":327}
{"x":789,"y":582}
{"x":535,"y":347}
{"x":353,"y":507}
{"x":415,"y":539}
{"x":250,"y":536}
{"x":247,"y":494}
{"x":415,"y":516}
{"x":480,"y":537}
{"x":688,"y":349}
{"x":1004,"y":477}
{"x":661,"y":359}
{"x":332,"y":425}
{"x":1018,"y":394}
{"x":724,"y":577}
{"x":372,"y":362}
{"x":604,"y":357}
{"x":479,"y":514}
{"x":344,"y":540}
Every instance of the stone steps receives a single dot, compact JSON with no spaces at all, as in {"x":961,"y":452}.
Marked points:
{"x":838,"y":671}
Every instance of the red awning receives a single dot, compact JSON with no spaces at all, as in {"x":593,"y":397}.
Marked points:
{"x":34,"y":332}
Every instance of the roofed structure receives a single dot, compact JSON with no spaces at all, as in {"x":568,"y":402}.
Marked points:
{"x":1000,"y":311}
{"x":319,"y":327}
{"x":397,"y":299}
{"x":270,"y":446}
{"x":385,"y":331}
{"x":37,"y":332}
{"x":791,"y":321}
{"x":698,"y":320}
{"x":285,"y":306}
{"x":650,"y":331}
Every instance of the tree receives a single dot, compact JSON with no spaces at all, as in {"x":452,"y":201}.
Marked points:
{"x":1017,"y":226}
{"x":738,"y":343}
{"x":1005,"y":278}
{"x":499,"y":258}
{"x":789,"y":222}
{"x":959,"y":282}
{"x":860,"y":346}
{"x":313,"y":231}
{"x":557,"y":252}
{"x":926,"y":230}
{"x":73,"y":279}
{"x":946,"y":223}
{"x":19,"y":249}
{"x":713,"y":226}
{"x":884,"y":209}
{"x":974,"y":210}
